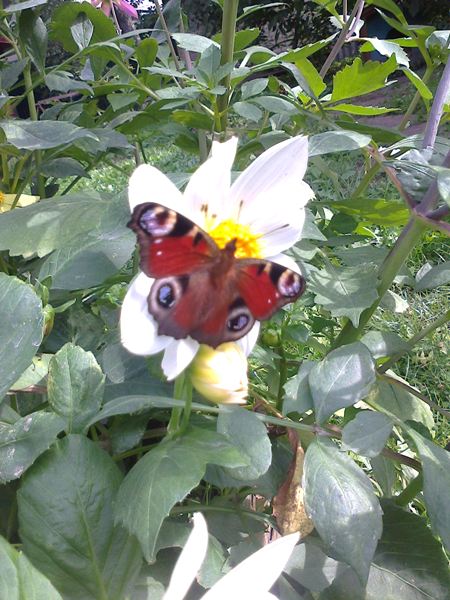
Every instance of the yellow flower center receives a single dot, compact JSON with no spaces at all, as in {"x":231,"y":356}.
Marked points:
{"x":2,"y":197}
{"x":247,"y":243}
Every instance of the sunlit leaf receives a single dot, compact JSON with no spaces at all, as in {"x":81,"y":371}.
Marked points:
{"x":361,"y":78}
{"x":343,"y":377}
{"x":367,"y":433}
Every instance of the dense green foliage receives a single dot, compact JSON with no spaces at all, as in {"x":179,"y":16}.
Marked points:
{"x":102,"y":461}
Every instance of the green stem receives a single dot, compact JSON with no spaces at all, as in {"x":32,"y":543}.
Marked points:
{"x":409,"y":237}
{"x":282,"y":375}
{"x":416,"y":338}
{"x":187,"y":407}
{"x":416,"y":98}
{"x":173,"y":426}
{"x":34,"y":117}
{"x":5,"y":169}
{"x":410,"y":491}
{"x":167,"y":34}
{"x":230,"y":8}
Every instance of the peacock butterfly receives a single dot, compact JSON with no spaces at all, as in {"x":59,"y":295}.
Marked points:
{"x":201,"y":290}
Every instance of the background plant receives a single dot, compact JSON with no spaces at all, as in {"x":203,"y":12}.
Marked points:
{"x":96,"y":497}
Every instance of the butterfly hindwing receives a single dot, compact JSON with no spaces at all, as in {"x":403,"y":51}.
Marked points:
{"x":267,"y":286}
{"x":170,"y":244}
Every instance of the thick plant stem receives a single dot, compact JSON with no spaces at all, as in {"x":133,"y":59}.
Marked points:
{"x":230,"y":8}
{"x":437,"y":109}
{"x":389,"y":269}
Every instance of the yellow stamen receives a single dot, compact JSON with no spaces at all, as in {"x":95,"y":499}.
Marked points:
{"x":2,"y":197}
{"x":247,"y":243}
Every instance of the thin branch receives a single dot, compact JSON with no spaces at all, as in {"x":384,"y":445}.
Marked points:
{"x":167,"y":34}
{"x":437,"y":109}
{"x":357,"y":9}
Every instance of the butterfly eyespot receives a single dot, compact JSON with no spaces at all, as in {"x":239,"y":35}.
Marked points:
{"x":289,"y":284}
{"x":158,"y":221}
{"x":238,"y":323}
{"x":166,"y":296}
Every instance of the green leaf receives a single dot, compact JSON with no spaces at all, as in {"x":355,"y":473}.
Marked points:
{"x":122,"y":405}
{"x":383,"y":343}
{"x":420,"y":86}
{"x":433,"y":276}
{"x":164,"y":476}
{"x":21,"y":330}
{"x":17,"y":6}
{"x":378,"y":211}
{"x":248,"y":110}
{"x":367,"y":433}
{"x":354,"y":109}
{"x":408,"y":564}
{"x":62,"y":81}
{"x":39,"y":135}
{"x":311,"y":567}
{"x":191,"y":118}
{"x":63,"y":167}
{"x":82,"y":31}
{"x":298,"y":396}
{"x":246,"y":432}
{"x":345,"y":291}
{"x":75,"y":386}
{"x":253,"y":87}
{"x":59,"y":221}
{"x":175,"y":534}
{"x":10,"y":73}
{"x":397,"y":400}
{"x":311,"y":75}
{"x":404,"y":405}
{"x":67,"y":14}
{"x":35,"y":374}
{"x":336,"y":141}
{"x":343,"y":377}
{"x":443,"y":182}
{"x":33,"y":34}
{"x":436,"y":484}
{"x":361,"y":78}
{"x":146,"y":52}
{"x":385,"y":474}
{"x":193,"y":42}
{"x":87,"y":262}
{"x":276,"y":104}
{"x":25,"y":440}
{"x":126,"y":432}
{"x":66,"y":522}
{"x":386,"y":48}
{"x":19,"y":580}
{"x":341,"y":502}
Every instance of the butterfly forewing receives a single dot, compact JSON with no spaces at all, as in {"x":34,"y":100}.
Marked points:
{"x":169,"y":243}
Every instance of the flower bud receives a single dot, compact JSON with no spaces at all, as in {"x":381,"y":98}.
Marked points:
{"x":220,"y":374}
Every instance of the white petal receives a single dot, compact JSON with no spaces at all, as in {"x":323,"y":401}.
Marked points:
{"x":189,"y":561}
{"x":148,"y":184}
{"x":178,"y":355}
{"x":209,"y":186}
{"x":138,"y":329}
{"x":278,"y":215}
{"x":286,"y":261}
{"x":249,"y":340}
{"x":282,"y":165}
{"x":257,"y":573}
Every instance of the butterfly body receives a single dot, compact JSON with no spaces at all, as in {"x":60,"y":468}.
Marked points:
{"x":201,"y":290}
